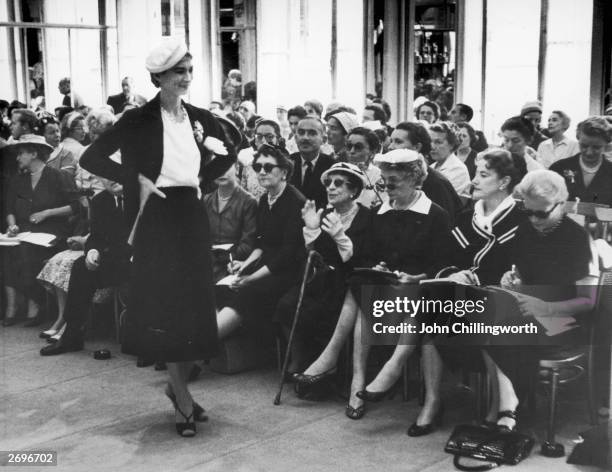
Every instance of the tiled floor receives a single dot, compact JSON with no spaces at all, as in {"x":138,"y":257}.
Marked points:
{"x":111,"y":416}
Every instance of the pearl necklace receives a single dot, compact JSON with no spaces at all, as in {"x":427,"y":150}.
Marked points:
{"x":175,"y":118}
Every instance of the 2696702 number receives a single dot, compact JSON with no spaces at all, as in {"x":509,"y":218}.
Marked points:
{"x":28,"y":458}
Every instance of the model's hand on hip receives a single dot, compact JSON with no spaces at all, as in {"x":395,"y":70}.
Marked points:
{"x":147,"y":187}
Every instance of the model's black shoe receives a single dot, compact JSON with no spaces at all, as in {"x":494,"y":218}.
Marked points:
{"x":62,"y":346}
{"x":377,"y":396}
{"x":199,"y":413}
{"x":188,"y":428}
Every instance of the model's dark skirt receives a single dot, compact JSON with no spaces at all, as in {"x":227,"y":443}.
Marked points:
{"x":171,"y":309}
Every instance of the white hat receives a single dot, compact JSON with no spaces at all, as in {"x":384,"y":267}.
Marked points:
{"x":398,"y":156}
{"x":372,"y":125}
{"x":345,"y":168}
{"x":348,"y":121}
{"x":166,"y":54}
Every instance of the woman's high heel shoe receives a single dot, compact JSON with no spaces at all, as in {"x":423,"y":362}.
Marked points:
{"x":354,"y":413}
{"x":415,"y":430}
{"x":188,"y":428}
{"x":306,"y":379}
{"x":377,"y":396}
{"x":506,"y":414}
{"x":199,"y":414}
{"x":47,"y":334}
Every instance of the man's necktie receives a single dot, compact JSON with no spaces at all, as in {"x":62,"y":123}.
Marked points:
{"x":307,"y":174}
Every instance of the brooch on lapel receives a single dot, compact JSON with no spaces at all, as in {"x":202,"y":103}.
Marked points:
{"x":215,"y":145}
{"x":570,"y":176}
{"x":198,"y":132}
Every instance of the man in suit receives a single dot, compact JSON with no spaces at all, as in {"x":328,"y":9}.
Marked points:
{"x":126,"y":97}
{"x":309,"y":162}
{"x":105,"y":264}
{"x":71,"y":98}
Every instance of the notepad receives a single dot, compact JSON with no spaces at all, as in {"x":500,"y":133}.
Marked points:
{"x":39,"y":239}
{"x":222,"y":247}
{"x":228,"y":280}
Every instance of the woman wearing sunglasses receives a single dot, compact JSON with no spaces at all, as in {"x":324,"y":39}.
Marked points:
{"x":408,"y":216}
{"x":266,"y":132}
{"x":555,"y":284}
{"x":274,"y":265}
{"x":338,"y":234}
{"x":362,"y":145}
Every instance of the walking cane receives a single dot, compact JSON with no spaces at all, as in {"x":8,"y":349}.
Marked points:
{"x":298,"y":307}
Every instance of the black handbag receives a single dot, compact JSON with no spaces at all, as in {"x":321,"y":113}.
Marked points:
{"x":496,"y":447}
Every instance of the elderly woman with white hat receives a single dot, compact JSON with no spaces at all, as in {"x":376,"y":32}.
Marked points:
{"x":40,"y":199}
{"x":338,"y":234}
{"x":408,"y":240}
{"x":170,"y":150}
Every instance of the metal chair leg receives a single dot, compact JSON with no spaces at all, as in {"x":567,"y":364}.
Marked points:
{"x":551,"y":448}
{"x":591,"y":386}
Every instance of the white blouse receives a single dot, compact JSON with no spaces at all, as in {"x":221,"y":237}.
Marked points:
{"x":181,"y":162}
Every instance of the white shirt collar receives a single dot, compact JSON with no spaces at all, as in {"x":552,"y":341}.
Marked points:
{"x":486,"y":222}
{"x":421,"y":205}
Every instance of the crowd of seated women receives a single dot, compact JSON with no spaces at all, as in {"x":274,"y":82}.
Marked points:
{"x":412,"y":202}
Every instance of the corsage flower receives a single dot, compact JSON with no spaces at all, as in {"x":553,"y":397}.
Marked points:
{"x":570,"y":176}
{"x":198,"y":132}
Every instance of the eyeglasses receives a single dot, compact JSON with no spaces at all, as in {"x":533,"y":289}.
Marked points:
{"x":382,"y":185}
{"x":268,"y":137}
{"x":336,"y":182}
{"x":539,"y":214}
{"x":358,"y":147}
{"x":267,"y":167}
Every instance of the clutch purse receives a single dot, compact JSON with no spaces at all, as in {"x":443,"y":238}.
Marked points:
{"x":496,"y":447}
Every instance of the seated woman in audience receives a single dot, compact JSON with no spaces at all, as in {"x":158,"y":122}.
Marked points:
{"x":339,"y":125}
{"x":428,"y":112}
{"x":518,"y":133}
{"x":408,"y":216}
{"x":61,"y":158}
{"x":96,"y":122}
{"x":558,"y":146}
{"x":338,"y":234}
{"x":362,"y":145}
{"x":275,"y":264}
{"x":588,"y":175}
{"x":443,"y":144}
{"x":436,"y":186}
{"x":74,"y":132}
{"x":482,"y":250}
{"x":232,"y":217}
{"x":40,"y":199}
{"x":554,"y":284}
{"x":266,"y":132}
{"x":465,"y":152}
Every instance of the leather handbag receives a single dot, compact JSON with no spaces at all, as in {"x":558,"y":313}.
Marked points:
{"x":496,"y":447}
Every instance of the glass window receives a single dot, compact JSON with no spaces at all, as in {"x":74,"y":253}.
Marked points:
{"x":175,"y":18}
{"x":435,"y":46}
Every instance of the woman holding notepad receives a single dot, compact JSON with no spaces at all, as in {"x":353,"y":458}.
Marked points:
{"x":169,"y":150}
{"x":40,"y":200}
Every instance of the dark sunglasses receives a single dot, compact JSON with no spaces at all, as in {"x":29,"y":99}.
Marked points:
{"x":381,"y":186}
{"x":336,"y":182}
{"x":358,"y":147}
{"x":267,"y":167}
{"x":539,"y":214}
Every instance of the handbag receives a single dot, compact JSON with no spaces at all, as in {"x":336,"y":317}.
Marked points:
{"x":496,"y":447}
